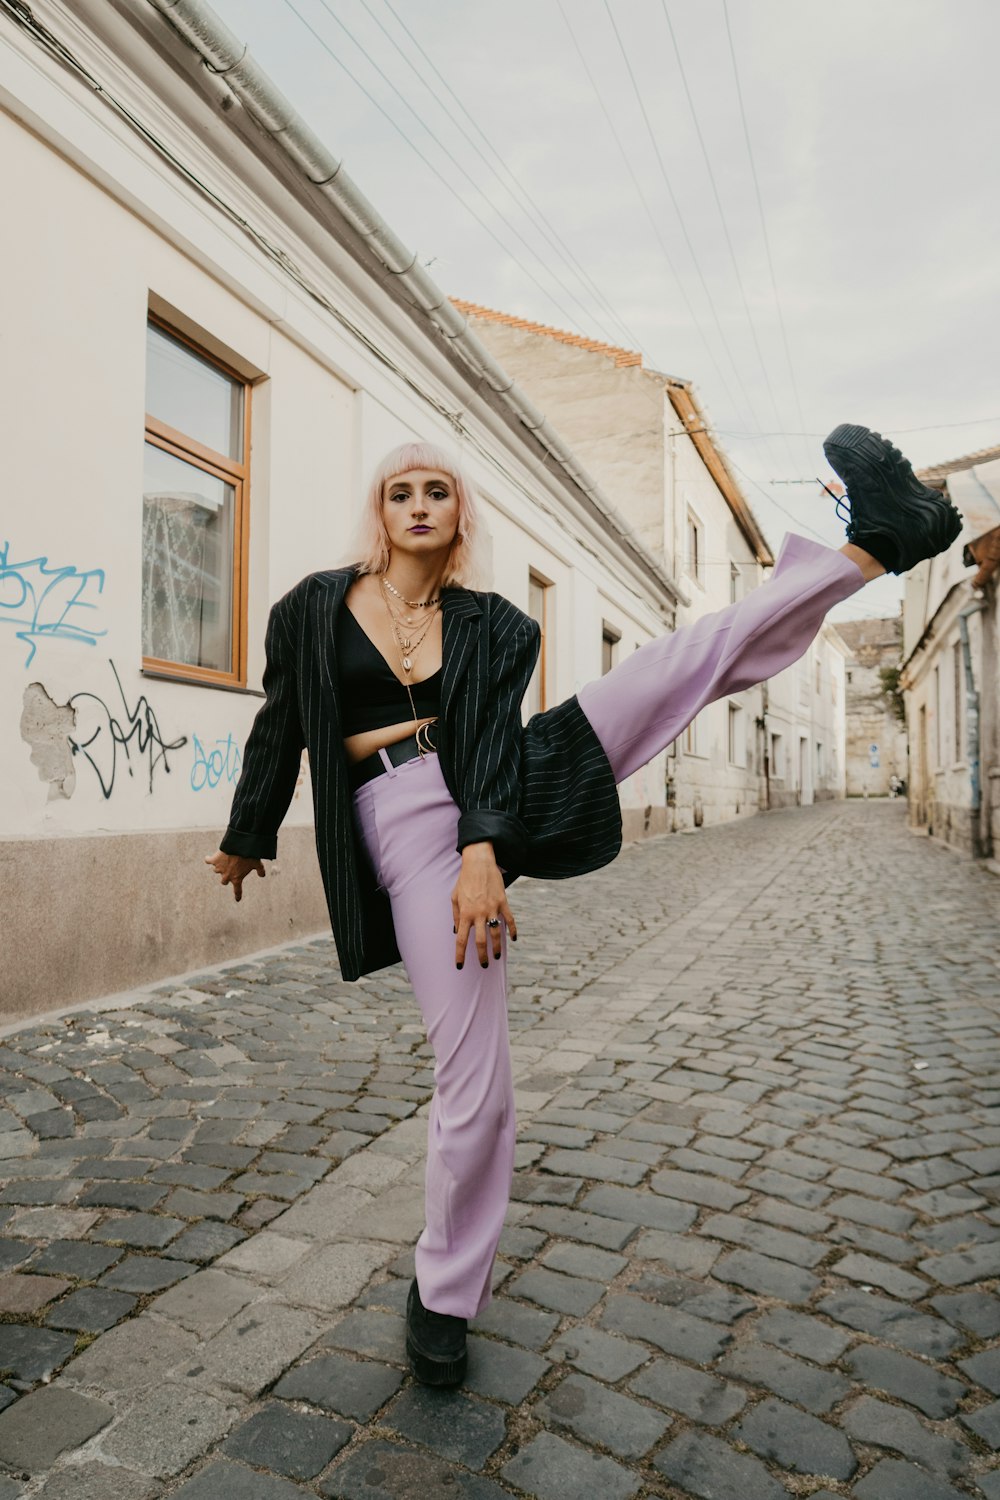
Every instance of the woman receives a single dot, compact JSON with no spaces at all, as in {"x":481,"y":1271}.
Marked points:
{"x":405,"y":684}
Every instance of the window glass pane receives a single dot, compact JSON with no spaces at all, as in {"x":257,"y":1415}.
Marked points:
{"x":192,"y":396}
{"x":187,"y":563}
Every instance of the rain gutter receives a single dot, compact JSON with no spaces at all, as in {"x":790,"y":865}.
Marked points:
{"x":228,"y":58}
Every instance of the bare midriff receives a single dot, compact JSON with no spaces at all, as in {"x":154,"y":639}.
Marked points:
{"x":357,"y":746}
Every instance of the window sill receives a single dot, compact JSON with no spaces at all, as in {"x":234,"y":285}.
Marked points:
{"x":221,"y":687}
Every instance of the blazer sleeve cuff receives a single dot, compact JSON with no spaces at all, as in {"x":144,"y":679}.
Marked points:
{"x":250,"y":845}
{"x":505,"y":831}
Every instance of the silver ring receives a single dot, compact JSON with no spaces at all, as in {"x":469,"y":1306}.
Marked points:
{"x":493,"y":921}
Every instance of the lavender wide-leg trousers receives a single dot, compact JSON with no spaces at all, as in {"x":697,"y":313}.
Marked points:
{"x":408,"y":822}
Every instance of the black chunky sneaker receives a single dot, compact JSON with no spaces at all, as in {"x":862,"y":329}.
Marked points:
{"x":891,"y":514}
{"x":435,"y":1343}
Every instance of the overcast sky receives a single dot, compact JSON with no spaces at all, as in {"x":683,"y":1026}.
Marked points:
{"x":874,"y":129}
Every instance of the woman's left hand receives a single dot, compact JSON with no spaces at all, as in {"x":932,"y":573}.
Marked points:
{"x":479,"y":894}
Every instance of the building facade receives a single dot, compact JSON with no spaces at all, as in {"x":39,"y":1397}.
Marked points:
{"x":875,"y":745}
{"x":950,"y":672}
{"x":213,"y":340}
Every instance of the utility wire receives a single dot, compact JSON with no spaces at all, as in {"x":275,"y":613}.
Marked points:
{"x":573,"y":319}
{"x":755,"y":420}
{"x":725,"y":223}
{"x":800,"y":524}
{"x":649,"y":212}
{"x":763,"y":221}
{"x":513,"y":186}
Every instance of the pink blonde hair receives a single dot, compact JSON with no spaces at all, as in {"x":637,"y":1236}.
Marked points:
{"x":466,"y":565}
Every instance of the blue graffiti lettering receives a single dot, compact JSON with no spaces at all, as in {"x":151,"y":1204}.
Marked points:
{"x":139,"y":724}
{"x":209,"y":769}
{"x":40,"y":599}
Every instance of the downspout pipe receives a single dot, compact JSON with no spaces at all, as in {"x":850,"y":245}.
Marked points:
{"x":972,"y":724}
{"x":225,"y":55}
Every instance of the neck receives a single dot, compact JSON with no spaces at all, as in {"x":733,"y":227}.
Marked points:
{"x":416,"y":577}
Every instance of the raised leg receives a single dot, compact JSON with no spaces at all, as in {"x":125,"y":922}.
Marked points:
{"x":647,"y":700}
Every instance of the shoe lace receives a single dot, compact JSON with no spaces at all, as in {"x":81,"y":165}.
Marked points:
{"x":842,"y":503}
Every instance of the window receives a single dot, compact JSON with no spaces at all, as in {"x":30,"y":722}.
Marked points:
{"x":540,"y":609}
{"x":735,"y":583}
{"x":938,"y":728}
{"x":737,"y":736}
{"x":777,"y":757}
{"x":692,"y":738}
{"x":695,"y":548}
{"x":819,"y":674}
{"x":819,"y":761}
{"x":194,"y":512}
{"x":959,"y":671}
{"x":609,"y":642}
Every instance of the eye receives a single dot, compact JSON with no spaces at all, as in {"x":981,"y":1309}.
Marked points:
{"x":439,"y":494}
{"x":400,"y":495}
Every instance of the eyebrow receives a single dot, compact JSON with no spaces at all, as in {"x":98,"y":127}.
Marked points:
{"x":404,"y":484}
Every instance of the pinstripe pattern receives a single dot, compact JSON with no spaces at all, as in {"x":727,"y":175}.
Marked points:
{"x":545,"y":794}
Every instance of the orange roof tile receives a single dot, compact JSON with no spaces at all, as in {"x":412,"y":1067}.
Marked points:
{"x":938,"y":472}
{"x":621,"y":357}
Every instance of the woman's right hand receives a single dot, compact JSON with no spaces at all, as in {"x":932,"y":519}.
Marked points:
{"x":234,"y":869}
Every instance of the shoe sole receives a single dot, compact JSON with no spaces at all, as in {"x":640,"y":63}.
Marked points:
{"x":435,"y":1371}
{"x":854,"y":450}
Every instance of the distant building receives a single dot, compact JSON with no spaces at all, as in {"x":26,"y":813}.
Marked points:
{"x":875,"y":742}
{"x":950,"y":672}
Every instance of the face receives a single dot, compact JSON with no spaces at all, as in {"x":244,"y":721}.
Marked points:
{"x":420,"y":511}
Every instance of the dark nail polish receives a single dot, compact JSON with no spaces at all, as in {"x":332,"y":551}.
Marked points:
{"x":454,"y":929}
{"x":513,"y":937}
{"x":485,"y":965}
{"x":458,"y":966}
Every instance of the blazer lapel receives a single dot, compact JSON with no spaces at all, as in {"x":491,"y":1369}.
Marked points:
{"x":324,"y":605}
{"x":461,"y":617}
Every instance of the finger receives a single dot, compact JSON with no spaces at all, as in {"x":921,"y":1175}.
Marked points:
{"x":496,"y":935}
{"x":260,"y":869}
{"x":481,"y":948}
{"x":238,"y":889}
{"x":508,"y":917}
{"x":462,"y":941}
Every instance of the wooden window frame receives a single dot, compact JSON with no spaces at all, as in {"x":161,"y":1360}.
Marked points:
{"x":696,"y":526}
{"x":235,"y":472}
{"x":610,"y":636}
{"x":546,"y":585}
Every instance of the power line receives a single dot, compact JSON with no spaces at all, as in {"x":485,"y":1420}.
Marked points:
{"x":763,"y":222}
{"x":533,"y":210}
{"x":724,"y":222}
{"x":426,"y":160}
{"x":680,"y":217}
{"x":801,"y":525}
{"x":649,"y":212}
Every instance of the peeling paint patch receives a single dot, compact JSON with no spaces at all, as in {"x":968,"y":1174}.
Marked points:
{"x":46,"y":727}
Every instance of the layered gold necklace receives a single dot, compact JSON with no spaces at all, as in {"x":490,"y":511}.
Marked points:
{"x":408,"y":640}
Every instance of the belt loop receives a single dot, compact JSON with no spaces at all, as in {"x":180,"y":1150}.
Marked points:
{"x":384,"y":757}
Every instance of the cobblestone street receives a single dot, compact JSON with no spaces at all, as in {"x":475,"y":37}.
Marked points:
{"x":754,"y":1243}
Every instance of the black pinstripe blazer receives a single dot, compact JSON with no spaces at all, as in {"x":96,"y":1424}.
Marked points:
{"x":544,"y":792}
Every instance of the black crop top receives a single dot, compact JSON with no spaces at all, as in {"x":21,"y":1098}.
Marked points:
{"x":371,"y":695}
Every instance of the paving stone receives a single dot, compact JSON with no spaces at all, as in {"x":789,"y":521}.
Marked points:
{"x":46,"y":1423}
{"x":796,"y":1441}
{"x":701,"y":1299}
{"x":91,"y":1310}
{"x":222,"y":1480}
{"x":908,"y":1379}
{"x":205,"y":1241}
{"x":981,"y":1263}
{"x":893,"y":1480}
{"x":122,"y":1195}
{"x":592,"y":1229}
{"x":501,"y":1372}
{"x":145,"y":1231}
{"x":146,"y":1273}
{"x":639,"y":1208}
{"x":93,"y":1481}
{"x":21,"y":1294}
{"x":703,"y":1465}
{"x":297,"y":1444}
{"x":387,"y":1471}
{"x":984,"y":1369}
{"x":75,"y":1258}
{"x":763,"y":1274}
{"x":448,"y":1422}
{"x":251,"y":1351}
{"x":598,"y":1415}
{"x":878,"y":1214}
{"x":867,"y":1270}
{"x":564,"y":1294}
{"x":592,"y":1164}
{"x":690,"y":1187}
{"x":798,"y":1333}
{"x":673,"y":1331}
{"x":582,"y":1260}
{"x":979,"y":1312}
{"x":985,"y":1423}
{"x":596,"y":1353}
{"x":167,"y":1428}
{"x":681,"y":1253}
{"x":679,"y":1388}
{"x":267,"y":1256}
{"x":520,"y":1325}
{"x":793,"y":1379}
{"x":375,"y":1334}
{"x":886,"y":1426}
{"x":893,"y":1322}
{"x":51,"y":1223}
{"x":553,"y":1469}
{"x":761,"y":1237}
{"x":187,"y":1203}
{"x":15,"y":1253}
{"x":350,"y":1387}
{"x":205,"y":1301}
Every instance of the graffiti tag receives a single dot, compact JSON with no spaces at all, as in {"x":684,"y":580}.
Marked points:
{"x":40,"y":599}
{"x":209,"y":769}
{"x":138,"y":731}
